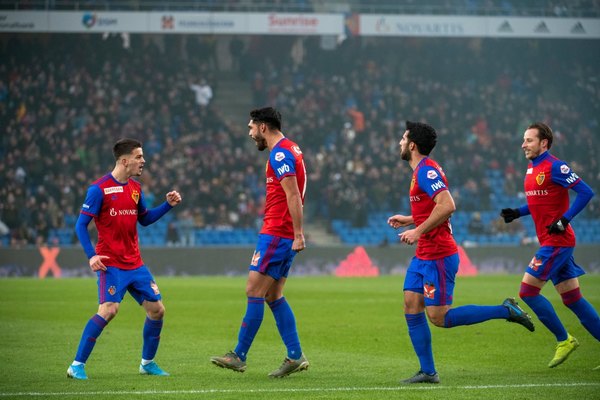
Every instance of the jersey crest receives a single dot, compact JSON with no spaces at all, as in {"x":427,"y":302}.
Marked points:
{"x":540,"y":178}
{"x":135,"y":195}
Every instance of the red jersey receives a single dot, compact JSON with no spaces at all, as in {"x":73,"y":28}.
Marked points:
{"x":115,"y":207}
{"x":285,"y":160}
{"x":427,"y":181}
{"x":547,"y":184}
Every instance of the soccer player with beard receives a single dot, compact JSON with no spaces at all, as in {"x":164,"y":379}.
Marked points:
{"x":547,"y":184}
{"x":429,"y":281}
{"x":280,"y":239}
{"x":116,"y":203}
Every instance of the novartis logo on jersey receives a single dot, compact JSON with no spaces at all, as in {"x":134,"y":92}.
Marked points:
{"x":114,"y":213}
{"x":415,"y":198}
{"x":536,"y":193}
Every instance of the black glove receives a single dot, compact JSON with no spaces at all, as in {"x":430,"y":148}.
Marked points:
{"x":510,"y":214}
{"x":558,"y":226}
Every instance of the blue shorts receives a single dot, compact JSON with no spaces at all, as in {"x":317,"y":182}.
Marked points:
{"x":434,"y":279}
{"x":114,"y":283}
{"x":273,"y":256}
{"x":554,"y":263}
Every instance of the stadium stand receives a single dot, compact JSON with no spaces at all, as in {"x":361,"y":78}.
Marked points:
{"x":64,"y":99}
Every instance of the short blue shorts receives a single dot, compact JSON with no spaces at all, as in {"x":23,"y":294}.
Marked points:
{"x":114,"y":283}
{"x":273,"y":256}
{"x":554,"y":263}
{"x":433,"y":278}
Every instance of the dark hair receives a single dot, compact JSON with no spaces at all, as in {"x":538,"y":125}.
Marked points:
{"x":422,"y":135}
{"x":125,"y":146}
{"x":267,"y":115}
{"x":544,"y":132}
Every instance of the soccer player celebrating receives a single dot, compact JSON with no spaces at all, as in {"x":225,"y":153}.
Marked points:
{"x":280,"y":239}
{"x":429,"y":281}
{"x":547,"y":184}
{"x":116,"y":203}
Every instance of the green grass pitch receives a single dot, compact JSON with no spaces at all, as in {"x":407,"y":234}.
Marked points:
{"x":352,"y":331}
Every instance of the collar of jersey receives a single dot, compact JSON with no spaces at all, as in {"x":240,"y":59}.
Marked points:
{"x":280,"y":140}
{"x":421,"y":162}
{"x":116,"y":181}
{"x":536,"y":161}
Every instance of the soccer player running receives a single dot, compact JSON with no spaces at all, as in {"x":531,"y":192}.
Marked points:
{"x":547,"y":184}
{"x":429,"y":281}
{"x":116,"y":203}
{"x":280,"y":239}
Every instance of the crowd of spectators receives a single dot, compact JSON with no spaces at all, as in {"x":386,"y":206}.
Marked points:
{"x":350,"y":105}
{"x":65,"y":99}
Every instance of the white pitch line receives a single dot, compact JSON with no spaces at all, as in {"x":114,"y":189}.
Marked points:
{"x":298,"y":390}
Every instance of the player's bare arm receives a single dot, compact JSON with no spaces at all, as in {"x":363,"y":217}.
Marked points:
{"x":399,"y":221}
{"x":444,"y":207}
{"x":294,"y":201}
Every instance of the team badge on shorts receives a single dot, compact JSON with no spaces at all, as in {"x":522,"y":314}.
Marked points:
{"x":535,"y":263}
{"x":154,"y":287}
{"x":112,"y":290}
{"x":255,"y":258}
{"x":429,"y":290}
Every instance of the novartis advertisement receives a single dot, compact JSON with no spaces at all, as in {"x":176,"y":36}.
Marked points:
{"x":459,"y":26}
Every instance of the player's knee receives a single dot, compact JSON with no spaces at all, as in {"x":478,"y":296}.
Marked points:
{"x":108,"y":310}
{"x":157,"y":313}
{"x":256,"y":291}
{"x":527,"y":290}
{"x":271,"y":297}
{"x":437,"y":319}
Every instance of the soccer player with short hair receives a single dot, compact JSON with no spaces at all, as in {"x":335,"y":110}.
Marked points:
{"x":429,"y":281}
{"x":116,"y":203}
{"x":280,"y":239}
{"x":547,"y":184}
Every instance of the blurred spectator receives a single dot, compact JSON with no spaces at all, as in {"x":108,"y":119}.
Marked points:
{"x":203,"y":93}
{"x":500,"y":227}
{"x":172,"y":238}
{"x":476,"y":226}
{"x":236,"y":50}
{"x":185,"y":228}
